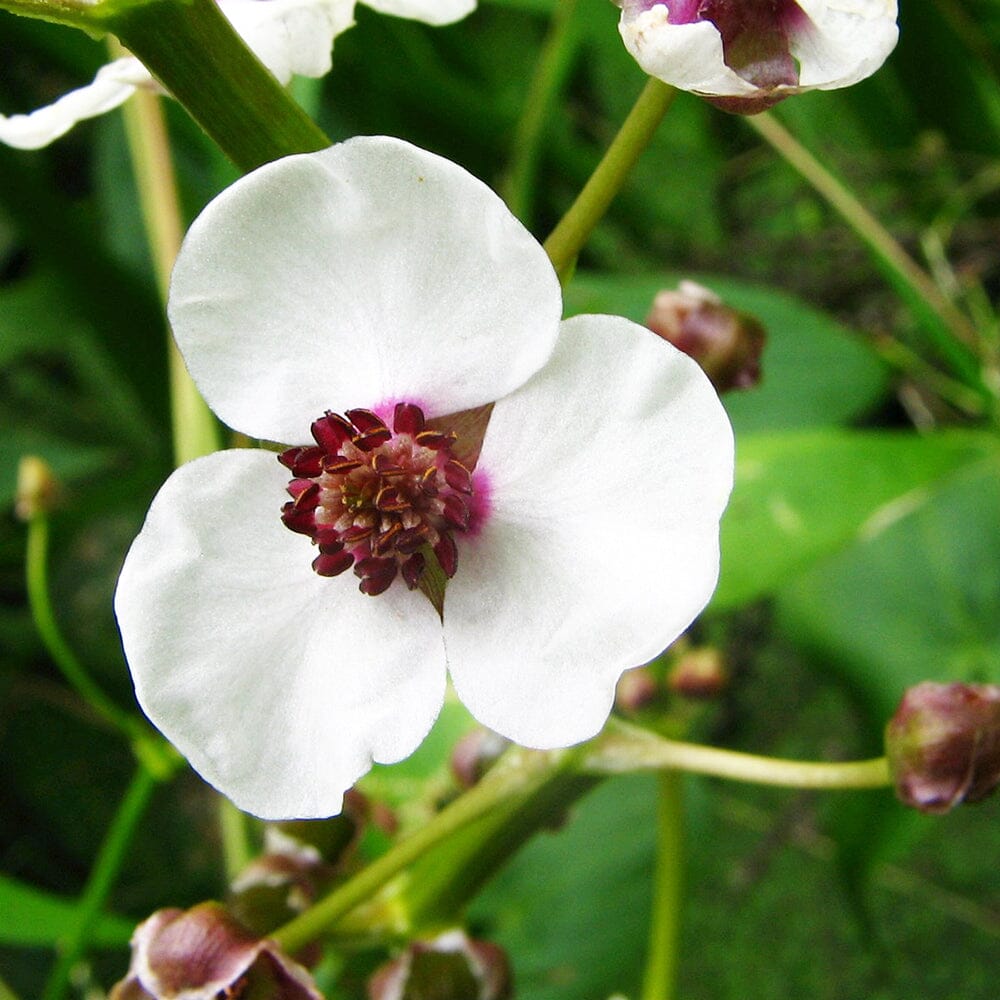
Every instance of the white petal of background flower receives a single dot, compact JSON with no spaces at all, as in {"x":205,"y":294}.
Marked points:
{"x":608,"y":474}
{"x":291,"y":37}
{"x":370,"y":271}
{"x":113,"y":85}
{"x":849,"y":40}
{"x":428,"y":11}
{"x":278,"y":685}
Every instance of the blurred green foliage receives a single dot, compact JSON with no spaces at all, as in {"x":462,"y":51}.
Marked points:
{"x":861,"y":551}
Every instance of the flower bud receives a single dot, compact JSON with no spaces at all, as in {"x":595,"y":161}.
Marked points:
{"x":37,"y":488}
{"x":636,"y":690}
{"x":451,"y":967}
{"x":943,"y":745}
{"x":475,"y":753}
{"x":726,"y":343}
{"x":699,"y":673}
{"x":204,"y":953}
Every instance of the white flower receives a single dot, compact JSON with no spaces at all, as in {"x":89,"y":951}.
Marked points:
{"x":376,"y":275}
{"x":291,"y":38}
{"x":752,"y":53}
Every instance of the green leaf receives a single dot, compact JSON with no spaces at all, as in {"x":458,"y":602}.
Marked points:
{"x":31,"y":917}
{"x":816,"y":372}
{"x":802,"y":496}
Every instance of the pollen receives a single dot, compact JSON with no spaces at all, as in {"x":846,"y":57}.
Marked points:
{"x":383,"y":500}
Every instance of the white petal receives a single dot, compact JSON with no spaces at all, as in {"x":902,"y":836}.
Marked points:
{"x":369,"y":272}
{"x":429,"y":11}
{"x":850,"y":41}
{"x":608,"y":473}
{"x":113,"y":85}
{"x":279,"y":686}
{"x":687,"y":56}
{"x":291,"y":37}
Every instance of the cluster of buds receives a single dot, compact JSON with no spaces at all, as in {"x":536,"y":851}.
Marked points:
{"x":943,"y":745}
{"x":697,"y":673}
{"x":726,"y":343}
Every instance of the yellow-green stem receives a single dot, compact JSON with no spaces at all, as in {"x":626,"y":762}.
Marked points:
{"x":624,"y":748}
{"x":550,"y":73}
{"x":659,"y":980}
{"x":194,"y":429}
{"x":518,"y":773}
{"x":952,"y":331}
{"x":572,"y":232}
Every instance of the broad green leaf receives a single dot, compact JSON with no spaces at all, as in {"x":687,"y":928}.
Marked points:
{"x":802,"y":496}
{"x":816,"y":371}
{"x":30,"y":917}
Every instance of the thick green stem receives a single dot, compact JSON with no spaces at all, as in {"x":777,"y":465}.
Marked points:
{"x":950,"y":329}
{"x":74,"y":13}
{"x":624,"y":748}
{"x":102,"y":879}
{"x":659,"y":981}
{"x":517,"y":774}
{"x":568,"y":238}
{"x":550,"y":74}
{"x":190,"y":47}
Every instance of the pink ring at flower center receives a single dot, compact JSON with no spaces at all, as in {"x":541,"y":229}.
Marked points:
{"x":378,"y":499}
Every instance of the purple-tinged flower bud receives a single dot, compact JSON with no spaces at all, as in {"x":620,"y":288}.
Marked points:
{"x":451,"y":967}
{"x":726,"y":343}
{"x":943,"y":745}
{"x":475,"y":753}
{"x":699,"y":673}
{"x":37,"y":488}
{"x":204,"y":953}
{"x":636,"y":690}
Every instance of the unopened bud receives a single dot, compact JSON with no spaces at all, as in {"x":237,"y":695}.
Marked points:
{"x":699,"y":673}
{"x":204,"y":953}
{"x":943,"y":745}
{"x":37,"y":488}
{"x":726,"y":343}
{"x":475,"y":753}
{"x":636,"y":690}
{"x":451,"y":967}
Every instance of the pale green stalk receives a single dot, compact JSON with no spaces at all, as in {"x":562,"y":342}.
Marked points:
{"x":550,"y":74}
{"x":951,"y":330}
{"x":574,"y":229}
{"x":659,"y":980}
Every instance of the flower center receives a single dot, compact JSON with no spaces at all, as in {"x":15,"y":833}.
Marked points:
{"x":755,"y":35}
{"x":378,"y":499}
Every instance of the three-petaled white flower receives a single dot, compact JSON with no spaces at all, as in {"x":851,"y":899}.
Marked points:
{"x":748,"y":54}
{"x":291,"y":38}
{"x":350,"y":303}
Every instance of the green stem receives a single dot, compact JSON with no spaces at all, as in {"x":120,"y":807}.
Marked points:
{"x":37,"y":582}
{"x":572,"y":232}
{"x":624,"y":748}
{"x":194,"y":429}
{"x":945,"y":322}
{"x":236,"y":849}
{"x":6,"y":993}
{"x":102,"y":878}
{"x":74,"y":13}
{"x":518,"y":773}
{"x":550,"y":74}
{"x":190,"y":47}
{"x":664,"y":930}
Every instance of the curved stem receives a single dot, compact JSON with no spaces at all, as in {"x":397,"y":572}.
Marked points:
{"x":37,"y":582}
{"x":951,"y":330}
{"x":550,"y":74}
{"x":664,"y":928}
{"x":102,"y":878}
{"x":195,"y":432}
{"x":572,"y":232}
{"x":624,"y":748}
{"x":517,"y":773}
